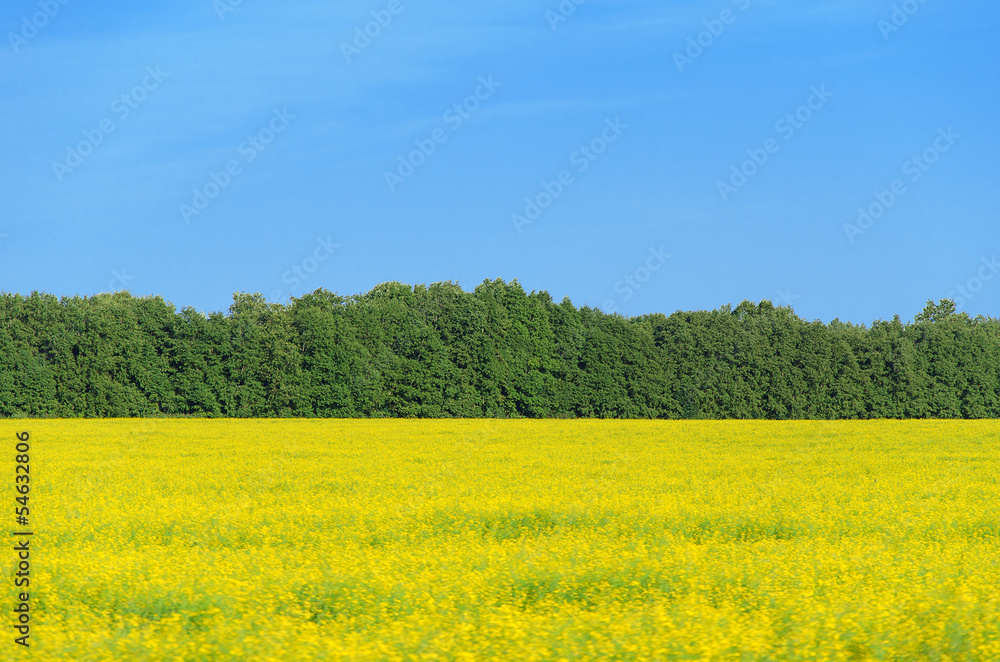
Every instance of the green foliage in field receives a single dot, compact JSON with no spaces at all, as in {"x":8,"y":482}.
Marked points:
{"x":438,"y":351}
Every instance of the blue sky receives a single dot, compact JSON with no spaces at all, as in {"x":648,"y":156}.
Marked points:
{"x":669,"y":156}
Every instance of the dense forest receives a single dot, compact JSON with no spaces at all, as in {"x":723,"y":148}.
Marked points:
{"x":438,"y":351}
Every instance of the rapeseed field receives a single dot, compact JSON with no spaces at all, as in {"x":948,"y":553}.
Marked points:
{"x":278,"y":540}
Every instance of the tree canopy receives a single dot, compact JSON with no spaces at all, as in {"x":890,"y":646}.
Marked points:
{"x":498,"y":351}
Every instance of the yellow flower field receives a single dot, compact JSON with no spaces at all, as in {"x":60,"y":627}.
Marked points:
{"x":509,"y":540}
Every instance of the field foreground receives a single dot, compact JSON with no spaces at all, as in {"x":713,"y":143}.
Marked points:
{"x":510,"y":540}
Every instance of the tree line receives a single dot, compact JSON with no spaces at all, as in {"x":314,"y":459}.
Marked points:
{"x":498,"y":351}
